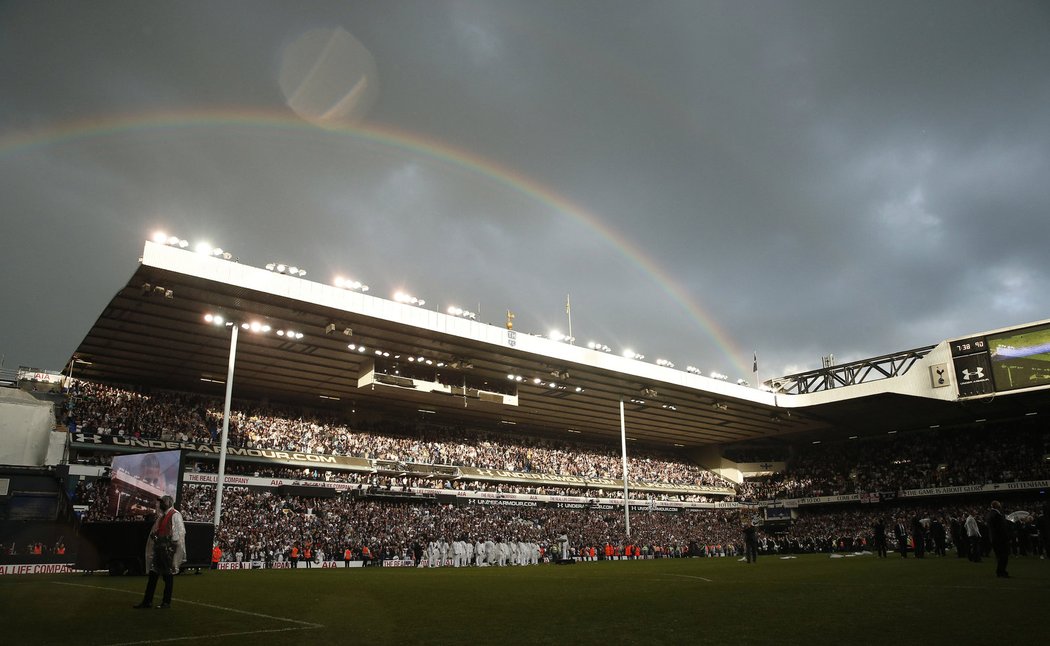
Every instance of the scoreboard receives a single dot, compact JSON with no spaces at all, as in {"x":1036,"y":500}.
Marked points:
{"x":973,"y":366}
{"x":1003,"y":361}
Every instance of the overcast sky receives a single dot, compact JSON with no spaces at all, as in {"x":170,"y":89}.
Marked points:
{"x":705,"y":179}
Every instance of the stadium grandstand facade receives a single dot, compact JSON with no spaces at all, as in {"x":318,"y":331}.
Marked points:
{"x":352,"y":422}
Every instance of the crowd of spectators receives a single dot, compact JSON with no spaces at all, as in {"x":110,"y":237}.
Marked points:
{"x":378,"y":481}
{"x":109,"y":410}
{"x":927,"y":459}
{"x":266,"y":524}
{"x":853,"y":528}
{"x":917,"y":460}
{"x":756,"y":454}
{"x":261,"y":524}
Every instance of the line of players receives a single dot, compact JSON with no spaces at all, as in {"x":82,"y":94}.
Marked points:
{"x":463,"y":553}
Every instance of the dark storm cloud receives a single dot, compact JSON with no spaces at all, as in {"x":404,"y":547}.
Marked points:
{"x":836,"y":177}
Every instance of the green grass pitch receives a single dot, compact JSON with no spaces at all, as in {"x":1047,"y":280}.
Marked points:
{"x":811,"y":599}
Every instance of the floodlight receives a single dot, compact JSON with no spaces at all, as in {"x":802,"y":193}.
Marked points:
{"x":408,"y":299}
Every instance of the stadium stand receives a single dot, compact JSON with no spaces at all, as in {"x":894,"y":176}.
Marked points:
{"x":816,"y":459}
{"x":262,"y":526}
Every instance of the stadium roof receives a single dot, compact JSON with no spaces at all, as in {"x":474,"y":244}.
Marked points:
{"x":153,"y":333}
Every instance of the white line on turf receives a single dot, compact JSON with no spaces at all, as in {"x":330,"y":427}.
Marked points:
{"x":302,"y":625}
{"x":689,"y":576}
{"x":211,"y":636}
{"x":206,"y":605}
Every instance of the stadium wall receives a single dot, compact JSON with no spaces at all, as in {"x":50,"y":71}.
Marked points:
{"x":26,"y":426}
{"x":710,"y":458}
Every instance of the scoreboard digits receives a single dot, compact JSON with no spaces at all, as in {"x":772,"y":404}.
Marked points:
{"x":969,"y":346}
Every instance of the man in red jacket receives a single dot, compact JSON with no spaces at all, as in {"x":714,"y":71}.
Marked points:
{"x":165,"y":552}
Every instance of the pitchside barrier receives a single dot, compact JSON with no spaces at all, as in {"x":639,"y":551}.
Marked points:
{"x":68,"y":568}
{"x":38,"y":568}
{"x":328,"y":565}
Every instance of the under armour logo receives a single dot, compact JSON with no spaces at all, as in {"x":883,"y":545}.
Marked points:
{"x":94,"y":439}
{"x":973,"y":374}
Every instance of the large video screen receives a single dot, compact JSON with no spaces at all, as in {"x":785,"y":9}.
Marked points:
{"x":1021,"y":358}
{"x":138,"y":479}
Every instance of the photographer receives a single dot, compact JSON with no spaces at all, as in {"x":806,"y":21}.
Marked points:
{"x":165,"y":552}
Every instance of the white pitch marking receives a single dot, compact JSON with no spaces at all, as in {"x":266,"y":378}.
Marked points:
{"x":303,"y":625}
{"x":689,"y":576}
{"x":180,"y":639}
{"x":206,"y":605}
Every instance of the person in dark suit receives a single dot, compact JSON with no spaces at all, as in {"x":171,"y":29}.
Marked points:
{"x":999,"y":528}
{"x":1043,"y":523}
{"x":918,"y":537}
{"x":939,"y":536}
{"x":879,"y":537}
{"x":750,"y":543}
{"x":900,"y":532}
